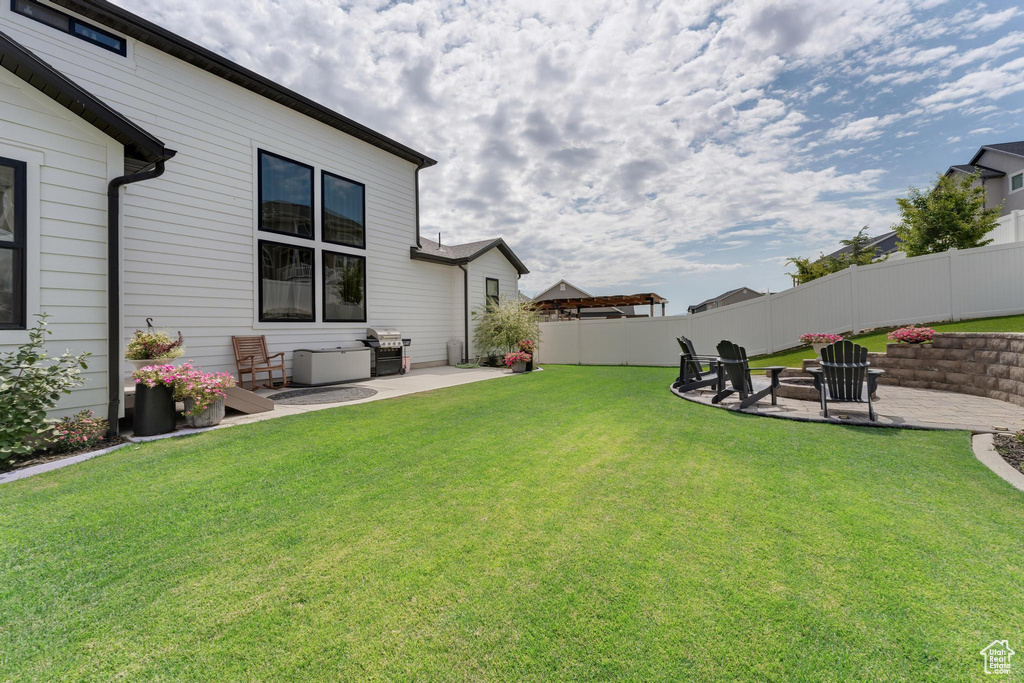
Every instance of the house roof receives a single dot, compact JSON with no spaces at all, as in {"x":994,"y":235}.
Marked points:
{"x":722,"y":296}
{"x":456,"y":254}
{"x":886,"y":243}
{"x":1014,"y":148}
{"x":970,"y":169}
{"x":562,"y":282}
{"x":27,"y":66}
{"x":124,"y":22}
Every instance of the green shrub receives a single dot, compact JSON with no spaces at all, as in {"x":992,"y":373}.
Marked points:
{"x":501,"y":326}
{"x":30,"y":386}
{"x":80,"y":432}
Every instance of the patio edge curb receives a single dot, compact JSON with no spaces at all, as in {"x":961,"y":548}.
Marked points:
{"x":26,"y":472}
{"x":984,"y":449}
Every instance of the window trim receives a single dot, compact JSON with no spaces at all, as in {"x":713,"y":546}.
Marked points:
{"x":259,"y":281}
{"x":72,"y":22}
{"x":20,"y":244}
{"x":259,"y":196}
{"x":497,"y":285}
{"x":323,"y":209}
{"x":1009,"y":182}
{"x":323,"y":288}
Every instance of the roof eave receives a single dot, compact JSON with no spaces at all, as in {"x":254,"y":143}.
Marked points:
{"x":151,"y":34}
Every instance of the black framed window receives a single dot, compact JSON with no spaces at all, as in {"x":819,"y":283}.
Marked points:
{"x":344,"y":282}
{"x":70,"y":25}
{"x":285,"y":196}
{"x":492,"y":290}
{"x":12,"y":244}
{"x":343,"y":211}
{"x":286,"y":283}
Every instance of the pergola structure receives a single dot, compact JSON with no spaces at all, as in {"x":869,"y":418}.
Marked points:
{"x":578,"y":303}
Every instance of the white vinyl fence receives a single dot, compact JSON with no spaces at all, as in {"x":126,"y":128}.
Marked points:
{"x":954,"y":285}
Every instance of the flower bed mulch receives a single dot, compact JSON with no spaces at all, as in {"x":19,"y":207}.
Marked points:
{"x":1011,"y":449}
{"x":40,"y":457}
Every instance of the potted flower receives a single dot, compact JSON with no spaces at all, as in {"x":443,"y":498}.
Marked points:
{"x":154,"y":400}
{"x":153,"y":347}
{"x":912,"y":335}
{"x":517,"y":360}
{"x":819,"y":340}
{"x":527,"y":346}
{"x":202,"y":393}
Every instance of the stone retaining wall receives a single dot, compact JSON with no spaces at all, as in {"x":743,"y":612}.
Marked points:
{"x":979,"y":363}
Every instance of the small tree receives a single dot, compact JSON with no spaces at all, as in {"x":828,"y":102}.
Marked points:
{"x":951,"y":215}
{"x":860,"y":254}
{"x":501,"y":325}
{"x":30,"y":386}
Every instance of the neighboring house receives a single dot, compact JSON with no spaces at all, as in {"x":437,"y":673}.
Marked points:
{"x":246,"y":208}
{"x":885,"y":244}
{"x":1001,"y":167}
{"x":733,"y":296}
{"x":566,"y":290}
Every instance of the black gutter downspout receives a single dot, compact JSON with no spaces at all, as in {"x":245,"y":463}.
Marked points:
{"x":419,"y":167}
{"x":465,"y":312}
{"x":114,"y":286}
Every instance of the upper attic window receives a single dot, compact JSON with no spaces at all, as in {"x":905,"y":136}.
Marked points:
{"x":70,"y":25}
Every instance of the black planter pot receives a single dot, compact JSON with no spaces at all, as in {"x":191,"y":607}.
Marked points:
{"x":529,"y":366}
{"x":154,"y":410}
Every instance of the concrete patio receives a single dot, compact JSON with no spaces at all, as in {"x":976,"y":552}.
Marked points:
{"x":895,"y":407}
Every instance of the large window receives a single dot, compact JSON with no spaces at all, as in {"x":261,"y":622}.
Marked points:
{"x":343,"y":211}
{"x":12,"y":244}
{"x":286,"y":283}
{"x":286,"y":196}
{"x":68,"y":24}
{"x":492,"y":290}
{"x":344,"y":288}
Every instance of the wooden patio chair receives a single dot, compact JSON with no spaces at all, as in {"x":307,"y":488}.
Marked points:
{"x":735,"y":368}
{"x":843,"y":374}
{"x":252,"y":357}
{"x":692,"y":374}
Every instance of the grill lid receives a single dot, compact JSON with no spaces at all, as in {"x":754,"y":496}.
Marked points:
{"x":387,"y":338}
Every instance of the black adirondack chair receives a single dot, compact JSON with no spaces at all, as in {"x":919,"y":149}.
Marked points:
{"x":692,"y":374}
{"x":843,"y":374}
{"x":732,"y":360}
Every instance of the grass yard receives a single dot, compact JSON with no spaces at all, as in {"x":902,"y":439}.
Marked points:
{"x":580,"y":522}
{"x":876,"y":341}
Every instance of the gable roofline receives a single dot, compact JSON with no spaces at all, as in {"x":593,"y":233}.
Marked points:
{"x":460,"y":254}
{"x":134,"y":26}
{"x":561,"y":282}
{"x":723,"y":295}
{"x":985,"y":171}
{"x":1012,"y":148}
{"x":28,"y":67}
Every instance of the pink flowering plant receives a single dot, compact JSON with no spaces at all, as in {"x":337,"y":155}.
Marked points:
{"x":820,"y":338}
{"x":154,"y":344}
{"x":517,"y":357}
{"x":527,"y":346}
{"x":199,"y":389}
{"x":912,"y":335}
{"x":81,"y":432}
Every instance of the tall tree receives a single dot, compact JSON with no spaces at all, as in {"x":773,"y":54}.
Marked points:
{"x":950,"y":215}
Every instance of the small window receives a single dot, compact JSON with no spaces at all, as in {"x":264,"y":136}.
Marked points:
{"x":286,"y":196}
{"x":492,"y":290}
{"x":1016,"y":182}
{"x":286,"y":283}
{"x":12,"y":244}
{"x":343,"y":211}
{"x":344,"y":288}
{"x":68,"y":24}
{"x":561,"y":287}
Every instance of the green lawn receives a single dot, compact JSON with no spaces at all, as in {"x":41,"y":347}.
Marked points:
{"x":580,"y":522}
{"x":876,"y":341}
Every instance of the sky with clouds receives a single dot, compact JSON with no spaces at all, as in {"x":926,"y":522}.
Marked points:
{"x":684,"y":148}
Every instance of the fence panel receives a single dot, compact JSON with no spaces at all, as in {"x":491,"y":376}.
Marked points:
{"x":973,"y":283}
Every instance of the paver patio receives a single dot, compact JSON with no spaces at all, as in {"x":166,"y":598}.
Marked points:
{"x":895,"y":406}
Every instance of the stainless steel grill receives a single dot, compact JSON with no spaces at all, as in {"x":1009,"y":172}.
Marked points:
{"x":388,"y":349}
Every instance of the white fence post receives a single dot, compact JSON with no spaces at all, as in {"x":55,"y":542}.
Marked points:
{"x":953,"y":315}
{"x":852,"y":270}
{"x":768,"y":319}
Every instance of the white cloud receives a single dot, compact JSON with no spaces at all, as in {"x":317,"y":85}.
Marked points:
{"x":602,"y":138}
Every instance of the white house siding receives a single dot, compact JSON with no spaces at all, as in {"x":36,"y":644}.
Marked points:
{"x":68,"y":166}
{"x":190,"y":236}
{"x":493,"y":264}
